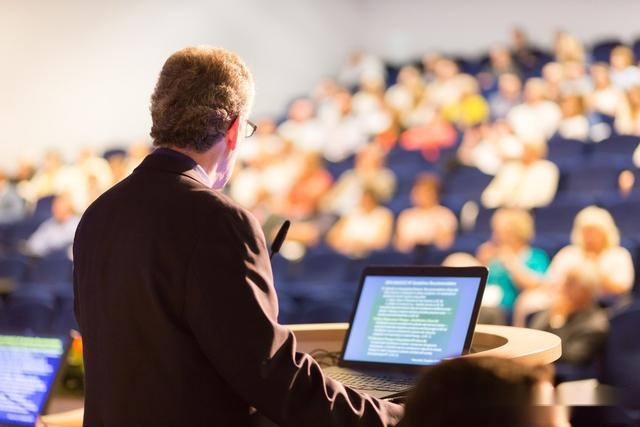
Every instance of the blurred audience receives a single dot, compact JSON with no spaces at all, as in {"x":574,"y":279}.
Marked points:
{"x":513,"y":264}
{"x":427,"y":222}
{"x":366,"y":228}
{"x":537,"y":117}
{"x":624,"y":73}
{"x":12,"y":207}
{"x":368,"y":172}
{"x":528,"y":183}
{"x":576,"y":318}
{"x":57,"y":232}
{"x":595,"y":244}
{"x":627,"y":118}
{"x":605,"y":98}
{"x":574,"y":123}
{"x":509,"y":95}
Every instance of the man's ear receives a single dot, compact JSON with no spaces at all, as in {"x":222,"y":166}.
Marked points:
{"x":232,"y":134}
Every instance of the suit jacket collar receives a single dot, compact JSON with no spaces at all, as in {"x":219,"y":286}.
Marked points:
{"x":167,"y":160}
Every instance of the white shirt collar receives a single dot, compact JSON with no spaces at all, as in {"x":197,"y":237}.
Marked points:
{"x":202,"y":174}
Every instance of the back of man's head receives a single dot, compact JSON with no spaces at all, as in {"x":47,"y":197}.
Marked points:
{"x":200,"y":92}
{"x":476,"y":392}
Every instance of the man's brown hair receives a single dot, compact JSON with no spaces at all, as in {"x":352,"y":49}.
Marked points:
{"x":483,"y":391}
{"x":199,"y":93}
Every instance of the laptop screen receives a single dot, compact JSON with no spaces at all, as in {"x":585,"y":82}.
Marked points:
{"x":28,"y":368}
{"x":412,"y":320}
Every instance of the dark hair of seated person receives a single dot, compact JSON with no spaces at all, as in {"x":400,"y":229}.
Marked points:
{"x":474,"y":392}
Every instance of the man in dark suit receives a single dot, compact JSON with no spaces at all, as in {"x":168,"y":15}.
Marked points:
{"x":173,"y":285}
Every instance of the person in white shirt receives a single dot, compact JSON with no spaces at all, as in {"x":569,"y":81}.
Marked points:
{"x":366,"y":228}
{"x":57,"y":232}
{"x":574,"y":123}
{"x":303,"y":129}
{"x":627,"y":120}
{"x":345,"y":133}
{"x":624,"y":73}
{"x":427,"y":222}
{"x":369,"y":172}
{"x":526,"y":184}
{"x":605,"y":98}
{"x":405,"y":96}
{"x":595,"y":242}
{"x":537,"y":117}
{"x":361,"y":64}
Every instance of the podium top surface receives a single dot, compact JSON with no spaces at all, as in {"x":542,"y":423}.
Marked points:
{"x":525,"y":345}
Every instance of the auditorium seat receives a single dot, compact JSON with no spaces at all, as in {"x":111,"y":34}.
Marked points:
{"x":466,"y":182}
{"x":556,"y":218}
{"x":626,"y":215}
{"x":622,"y":349}
{"x":593,"y":179}
{"x":29,"y":311}
{"x":601,"y":51}
{"x":617,"y":150}
{"x":566,"y":153}
{"x":327,"y":312}
{"x":400,"y":202}
{"x":12,"y":269}
{"x":63,"y":318}
{"x":54,"y":270}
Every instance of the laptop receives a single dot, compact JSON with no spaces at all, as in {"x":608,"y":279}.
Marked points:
{"x":406,"y":318}
{"x":29,"y":368}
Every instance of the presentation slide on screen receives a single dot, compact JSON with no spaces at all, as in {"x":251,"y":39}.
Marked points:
{"x":27,"y":370}
{"x":411,"y":320}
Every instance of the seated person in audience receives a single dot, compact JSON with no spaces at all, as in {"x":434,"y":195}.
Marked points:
{"x":627,"y":121}
{"x":430,"y":136}
{"x":624,"y":74}
{"x":405,"y":96}
{"x":574,"y":123}
{"x":513,"y":264}
{"x":369,"y":172}
{"x":345,"y":133}
{"x":366,"y":228}
{"x":471,"y":108}
{"x":302,"y":128}
{"x":42,"y":184}
{"x":301,"y":204}
{"x":553,"y":76}
{"x":427,"y":222}
{"x":576,"y":318}
{"x":537,"y":117}
{"x":484,"y":391}
{"x":369,"y":108}
{"x":117,"y":160}
{"x":568,"y":48}
{"x":576,"y":81}
{"x":488,"y":146}
{"x":445,"y":88}
{"x":521,"y":51}
{"x":57,"y":232}
{"x":605,"y":98}
{"x":12,"y":207}
{"x":595,"y":244}
{"x":360,"y":64}
{"x":508,"y":96}
{"x":526,"y":184}
{"x":500,"y":62}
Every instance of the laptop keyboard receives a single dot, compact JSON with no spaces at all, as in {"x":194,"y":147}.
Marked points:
{"x":363,"y":381}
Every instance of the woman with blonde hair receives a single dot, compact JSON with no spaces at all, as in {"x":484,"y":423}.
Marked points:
{"x":595,"y":244}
